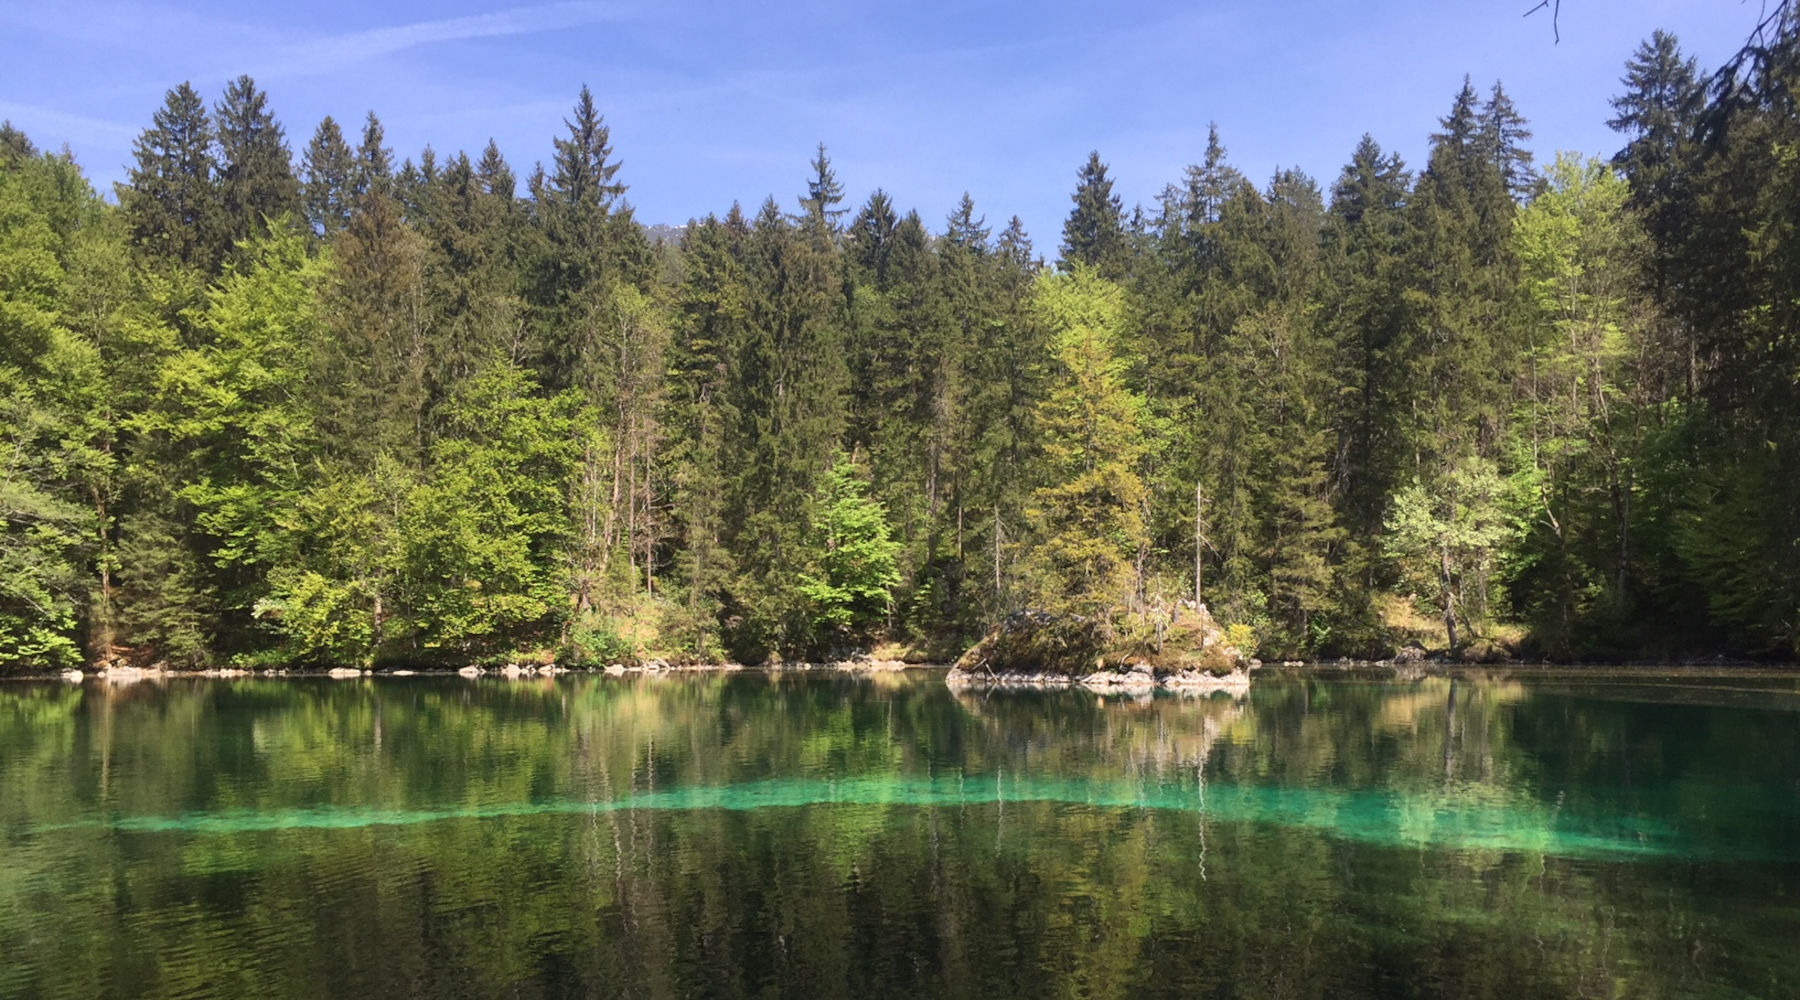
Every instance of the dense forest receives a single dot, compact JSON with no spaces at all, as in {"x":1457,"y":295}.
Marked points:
{"x":354,"y":411}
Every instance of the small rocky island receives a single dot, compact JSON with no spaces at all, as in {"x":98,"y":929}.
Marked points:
{"x":1179,"y":648}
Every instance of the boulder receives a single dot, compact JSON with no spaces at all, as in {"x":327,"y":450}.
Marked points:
{"x":1166,"y":646}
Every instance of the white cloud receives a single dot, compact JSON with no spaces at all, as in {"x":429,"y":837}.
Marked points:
{"x":50,"y":128}
{"x":337,"y":51}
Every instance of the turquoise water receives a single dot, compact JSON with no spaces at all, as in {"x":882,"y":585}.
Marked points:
{"x":1527,"y":833}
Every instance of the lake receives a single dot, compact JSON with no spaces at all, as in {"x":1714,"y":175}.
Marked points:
{"x":1513,"y":834}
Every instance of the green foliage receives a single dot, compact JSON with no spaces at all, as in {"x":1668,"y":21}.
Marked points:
{"x":1242,"y":636}
{"x":1445,"y":536}
{"x":48,"y":375}
{"x":456,"y":414}
{"x":594,"y":641}
{"x":1088,"y":512}
{"x":1094,"y":235}
{"x":480,"y":538}
{"x":852,"y":587}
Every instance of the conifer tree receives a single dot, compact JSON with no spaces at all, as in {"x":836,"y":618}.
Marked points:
{"x":823,"y":194}
{"x":256,"y":173}
{"x":1014,"y":246}
{"x":1738,"y":293}
{"x":1658,"y":115}
{"x":1094,"y":233}
{"x":1087,"y":515}
{"x":1503,"y":133}
{"x":582,"y":178}
{"x":326,"y":171}
{"x":871,"y":238}
{"x":791,"y":403}
{"x":1459,"y":351}
{"x":471,"y":274}
{"x":171,"y":201}
{"x":964,"y":230}
{"x":601,"y":334}
{"x":374,"y":170}
{"x":372,"y":372}
{"x":1296,"y":531}
{"x":1366,"y":317}
{"x":710,"y":330}
{"x":497,"y":178}
{"x":15,"y":145}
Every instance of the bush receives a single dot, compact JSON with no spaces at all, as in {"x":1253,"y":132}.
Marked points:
{"x":1242,"y":636}
{"x":594,"y":641}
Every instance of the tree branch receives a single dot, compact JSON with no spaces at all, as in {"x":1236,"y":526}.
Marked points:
{"x":1555,"y":16}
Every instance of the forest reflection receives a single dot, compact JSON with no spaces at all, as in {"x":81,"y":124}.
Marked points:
{"x":791,"y":835}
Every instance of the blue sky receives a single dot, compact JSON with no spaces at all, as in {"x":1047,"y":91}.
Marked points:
{"x":711,"y":102}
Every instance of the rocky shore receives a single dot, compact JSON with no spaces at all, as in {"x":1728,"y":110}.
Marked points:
{"x":1175,"y":648}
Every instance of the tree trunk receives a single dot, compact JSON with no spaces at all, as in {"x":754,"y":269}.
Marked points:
{"x":1449,"y":595}
{"x":1199,"y":540}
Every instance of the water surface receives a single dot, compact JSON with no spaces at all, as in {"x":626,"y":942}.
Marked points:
{"x":1515,"y":834}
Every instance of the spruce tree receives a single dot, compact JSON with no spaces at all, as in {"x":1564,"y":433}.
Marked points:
{"x":712,"y":306}
{"x":582,"y":178}
{"x":871,"y":238}
{"x":14,"y":145}
{"x":1459,"y":350}
{"x":471,"y":274}
{"x":256,"y":174}
{"x":1503,"y":132}
{"x":1297,"y":534}
{"x":1087,"y":515}
{"x":1094,"y":233}
{"x":497,"y":178}
{"x":964,"y":230}
{"x":172,"y":202}
{"x":327,"y":170}
{"x":374,"y":170}
{"x":1014,"y":246}
{"x":791,"y":403}
{"x":372,"y":370}
{"x":1365,"y":318}
{"x":823,"y":194}
{"x":1658,"y":115}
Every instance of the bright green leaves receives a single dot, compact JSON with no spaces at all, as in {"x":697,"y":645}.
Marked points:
{"x":852,"y":586}
{"x":1088,"y":512}
{"x":1445,"y":536}
{"x":238,"y":405}
{"x":47,"y":375}
{"x":482,"y":538}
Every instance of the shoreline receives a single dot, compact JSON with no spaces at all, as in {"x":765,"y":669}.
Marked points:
{"x":510,"y":671}
{"x":1102,"y":681}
